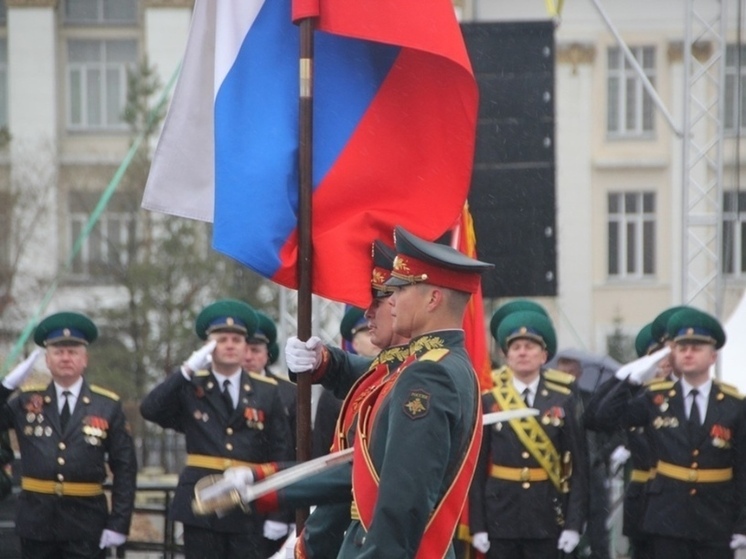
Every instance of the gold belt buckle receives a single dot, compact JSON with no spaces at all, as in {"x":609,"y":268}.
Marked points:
{"x":58,"y":489}
{"x":525,"y":474}
{"x":693,"y":475}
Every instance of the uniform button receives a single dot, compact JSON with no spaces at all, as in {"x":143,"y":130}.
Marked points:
{"x":60,"y":477}
{"x":61,"y":461}
{"x":692,"y":492}
{"x":695,"y":465}
{"x":61,"y":446}
{"x":695,"y":452}
{"x":229,"y":431}
{"x":525,"y":455}
{"x":526,"y":485}
{"x":229,"y":446}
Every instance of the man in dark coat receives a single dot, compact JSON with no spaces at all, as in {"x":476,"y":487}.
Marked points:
{"x":696,"y":502}
{"x":529,"y":497}
{"x":229,"y":417}
{"x":69,"y":432}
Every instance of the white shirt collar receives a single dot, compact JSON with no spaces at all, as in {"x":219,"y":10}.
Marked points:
{"x":74,"y":390}
{"x":532,"y":386}
{"x":704,"y":389}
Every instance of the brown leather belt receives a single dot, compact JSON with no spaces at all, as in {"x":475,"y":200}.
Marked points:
{"x":519,"y":474}
{"x":61,"y":488}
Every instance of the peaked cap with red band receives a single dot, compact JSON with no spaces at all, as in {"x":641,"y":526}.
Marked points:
{"x":420,"y":261}
{"x":383,"y":263}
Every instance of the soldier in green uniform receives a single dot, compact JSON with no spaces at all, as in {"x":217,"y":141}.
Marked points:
{"x":529,"y":497}
{"x":229,"y":417}
{"x":696,"y":502}
{"x":69,"y":431}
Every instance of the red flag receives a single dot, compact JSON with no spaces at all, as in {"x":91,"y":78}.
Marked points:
{"x":465,"y":240}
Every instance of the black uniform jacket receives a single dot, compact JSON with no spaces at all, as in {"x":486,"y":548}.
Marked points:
{"x":687,"y":509}
{"x":96,"y":435}
{"x":257,"y":431}
{"x":532,"y":510}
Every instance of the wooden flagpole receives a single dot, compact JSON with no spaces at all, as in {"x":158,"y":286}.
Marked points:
{"x":305,"y":247}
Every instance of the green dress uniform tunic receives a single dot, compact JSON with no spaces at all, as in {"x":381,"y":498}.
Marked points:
{"x":418,"y":443}
{"x":96,"y":435}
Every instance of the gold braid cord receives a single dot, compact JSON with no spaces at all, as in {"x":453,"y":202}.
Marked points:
{"x":529,"y":430}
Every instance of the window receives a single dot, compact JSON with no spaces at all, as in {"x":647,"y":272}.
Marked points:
{"x":630,"y":108}
{"x":97,"y":83}
{"x":3,"y":13}
{"x":87,"y":12}
{"x":631,"y":235}
{"x":734,"y":233}
{"x":735,"y":89}
{"x":104,"y":251}
{"x":3,"y":83}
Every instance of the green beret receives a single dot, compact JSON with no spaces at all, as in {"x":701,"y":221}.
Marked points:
{"x":265,"y":332}
{"x":68,"y":328}
{"x":694,"y":326}
{"x":352,"y":322}
{"x":273,"y":351}
{"x":226,"y":315}
{"x":511,"y":307}
{"x":659,"y":326}
{"x":529,"y":325}
{"x":645,"y":342}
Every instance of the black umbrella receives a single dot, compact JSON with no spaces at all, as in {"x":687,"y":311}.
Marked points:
{"x":596,"y":368}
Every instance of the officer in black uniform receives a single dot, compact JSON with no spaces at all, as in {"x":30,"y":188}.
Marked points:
{"x":696,"y":502}
{"x":229,"y":417}
{"x":69,"y":432}
{"x":529,"y":496}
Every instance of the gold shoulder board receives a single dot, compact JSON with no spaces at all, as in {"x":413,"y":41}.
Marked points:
{"x":662,"y":385}
{"x":202,"y":373}
{"x":557,"y":388}
{"x":559,"y":376}
{"x":262,"y":378}
{"x":108,"y":393}
{"x":34,"y":388}
{"x":729,"y":389}
{"x":434,"y":355}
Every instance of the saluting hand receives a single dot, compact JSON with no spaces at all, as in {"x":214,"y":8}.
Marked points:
{"x":738,"y":541}
{"x":14,"y":378}
{"x":199,"y":359}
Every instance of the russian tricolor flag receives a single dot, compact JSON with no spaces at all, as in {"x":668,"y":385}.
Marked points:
{"x":395,"y":105}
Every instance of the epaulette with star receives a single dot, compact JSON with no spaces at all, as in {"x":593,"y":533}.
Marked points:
{"x":729,"y":389}
{"x":104,"y":392}
{"x":262,"y":378}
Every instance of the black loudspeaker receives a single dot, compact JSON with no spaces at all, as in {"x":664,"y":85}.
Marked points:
{"x":512,"y":196}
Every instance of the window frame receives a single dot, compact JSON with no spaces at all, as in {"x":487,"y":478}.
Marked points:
{"x":636,"y":259}
{"x":627,"y":82}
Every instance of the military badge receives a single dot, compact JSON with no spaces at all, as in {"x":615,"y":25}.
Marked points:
{"x":720,"y":436}
{"x":95,"y":429}
{"x":417,"y":405}
{"x":254,"y":418}
{"x":199,"y":392}
{"x":554,"y":416}
{"x":34,"y":404}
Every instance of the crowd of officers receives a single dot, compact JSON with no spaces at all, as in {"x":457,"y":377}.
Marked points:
{"x":405,"y":398}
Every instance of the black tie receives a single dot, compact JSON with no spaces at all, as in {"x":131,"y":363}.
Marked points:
{"x":65,"y":413}
{"x":227,"y":396}
{"x":694,"y":421}
{"x":526,"y":395}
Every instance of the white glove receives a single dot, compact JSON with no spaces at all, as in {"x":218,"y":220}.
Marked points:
{"x":481,"y":542}
{"x":241,"y":477}
{"x":199,"y":359}
{"x":302,"y":357}
{"x":737,"y":541}
{"x":568,"y":541}
{"x":275,"y":530}
{"x":14,"y":378}
{"x":618,"y":458}
{"x":110,"y":538}
{"x":642,"y":369}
